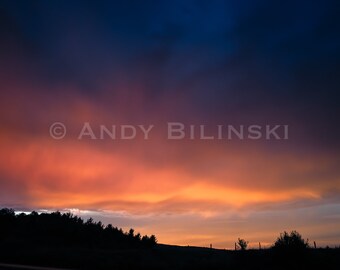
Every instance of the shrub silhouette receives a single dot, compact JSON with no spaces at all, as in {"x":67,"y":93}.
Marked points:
{"x":243,"y":244}
{"x":292,"y":241}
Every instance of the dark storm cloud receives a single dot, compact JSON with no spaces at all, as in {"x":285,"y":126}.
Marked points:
{"x":275,"y":61}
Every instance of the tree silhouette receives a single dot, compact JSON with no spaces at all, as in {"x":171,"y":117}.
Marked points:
{"x":57,"y":229}
{"x":243,"y":244}
{"x":292,"y":241}
{"x":131,"y":233}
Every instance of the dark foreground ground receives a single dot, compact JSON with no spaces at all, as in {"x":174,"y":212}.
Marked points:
{"x":168,"y":257}
{"x":6,"y":266}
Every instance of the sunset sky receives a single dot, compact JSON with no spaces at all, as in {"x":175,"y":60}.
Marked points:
{"x":211,"y":63}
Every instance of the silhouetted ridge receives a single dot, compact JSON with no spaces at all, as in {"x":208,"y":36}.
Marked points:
{"x":57,"y":229}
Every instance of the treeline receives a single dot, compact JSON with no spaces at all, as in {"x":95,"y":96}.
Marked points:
{"x":57,"y":229}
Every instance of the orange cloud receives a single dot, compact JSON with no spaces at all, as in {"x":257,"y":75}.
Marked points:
{"x":150,"y":178}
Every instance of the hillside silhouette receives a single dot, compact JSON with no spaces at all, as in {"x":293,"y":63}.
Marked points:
{"x":67,"y":241}
{"x":57,"y":229}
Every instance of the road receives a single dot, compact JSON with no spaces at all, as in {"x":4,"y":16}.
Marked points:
{"x":5,"y":266}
